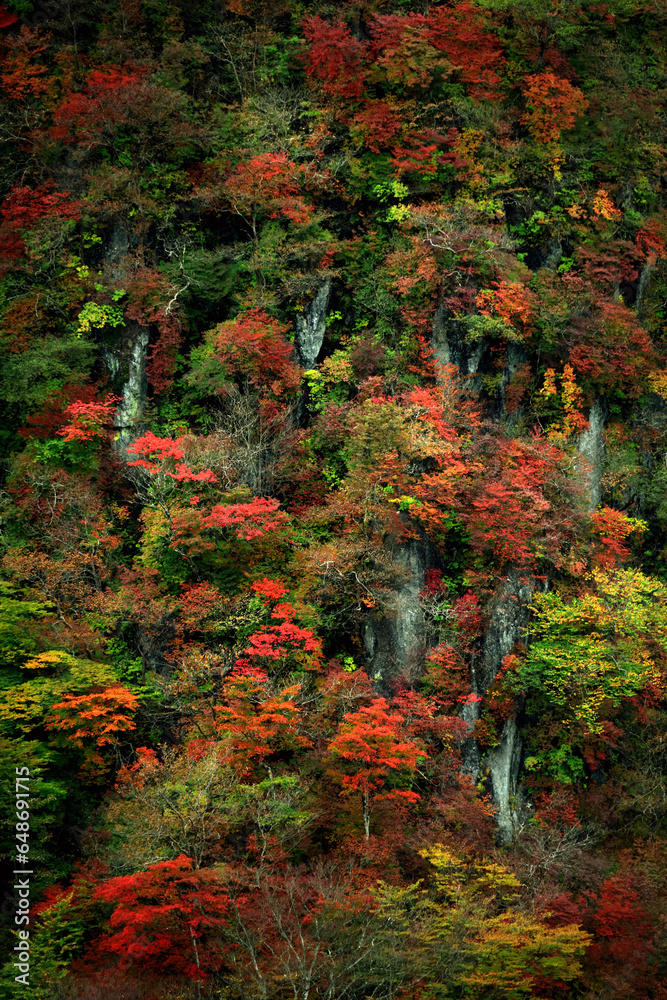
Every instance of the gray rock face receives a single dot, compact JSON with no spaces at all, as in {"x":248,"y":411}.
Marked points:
{"x":642,"y":288}
{"x":504,"y":764}
{"x":116,"y":251}
{"x":450,"y":346}
{"x":508,"y":623}
{"x":553,"y":253}
{"x":311,"y":326}
{"x":125,"y":351}
{"x":509,"y":619}
{"x":396,"y":642}
{"x":126,"y":361}
{"x":591,"y":449}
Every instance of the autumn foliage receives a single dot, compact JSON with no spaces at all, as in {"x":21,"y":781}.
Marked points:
{"x":163,"y":919}
{"x":368,"y":749}
{"x":333,"y":614}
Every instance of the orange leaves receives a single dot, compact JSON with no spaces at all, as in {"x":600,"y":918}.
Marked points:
{"x":470,"y":171}
{"x":447,"y":677}
{"x":50,"y":419}
{"x":603,"y":207}
{"x":25,"y":206}
{"x":254,"y":345}
{"x":24,"y":209}
{"x":158,"y":450}
{"x":378,"y":124}
{"x":279,"y":641}
{"x":502,"y":517}
{"x":406,"y":54}
{"x":22,"y":71}
{"x":161,"y":918}
{"x":283,"y":643}
{"x":652,"y":239}
{"x":87,"y":420}
{"x":369,"y":748}
{"x":98,"y":716}
{"x":416,"y":279}
{"x":461,"y":32}
{"x":613,"y":527}
{"x":403,"y":51}
{"x":505,"y":499}
{"x":512,"y":302}
{"x":406,"y":50}
{"x":449,"y":409}
{"x":269,"y":589}
{"x":515,"y":505}
{"x":415,"y":158}
{"x":267,"y":184}
{"x":259,"y":722}
{"x":459,"y":402}
{"x":252,"y":349}
{"x":371,"y":737}
{"x":427,"y":407}
{"x":163,"y":456}
{"x":572,"y":420}
{"x":553,"y":105}
{"x":260,"y":516}
{"x":612,"y":349}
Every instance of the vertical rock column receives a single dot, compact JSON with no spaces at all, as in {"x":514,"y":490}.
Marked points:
{"x":645,"y":276}
{"x":129,"y":359}
{"x":507,"y":626}
{"x":591,"y":448}
{"x":311,"y":326}
{"x":396,"y":642}
{"x":125,"y":353}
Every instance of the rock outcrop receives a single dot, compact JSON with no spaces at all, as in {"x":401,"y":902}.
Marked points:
{"x":396,"y":642}
{"x":591,"y":449}
{"x":507,"y":626}
{"x":311,"y":326}
{"x":126,"y":361}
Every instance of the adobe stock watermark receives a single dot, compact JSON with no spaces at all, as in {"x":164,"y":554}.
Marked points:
{"x":22,"y":873}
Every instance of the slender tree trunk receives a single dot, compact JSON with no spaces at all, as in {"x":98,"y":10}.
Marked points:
{"x":195,"y":949}
{"x":366,"y":800}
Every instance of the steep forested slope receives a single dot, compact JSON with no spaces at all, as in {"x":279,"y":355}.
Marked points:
{"x":333,"y":596}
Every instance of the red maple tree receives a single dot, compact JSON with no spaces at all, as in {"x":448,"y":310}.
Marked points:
{"x":368,"y":751}
{"x":166,"y":919}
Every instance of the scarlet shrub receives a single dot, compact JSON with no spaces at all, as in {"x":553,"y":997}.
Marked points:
{"x":164,"y":920}
{"x":334,"y":57}
{"x":88,"y":419}
{"x":163,"y":456}
{"x":259,"y":721}
{"x":259,"y":517}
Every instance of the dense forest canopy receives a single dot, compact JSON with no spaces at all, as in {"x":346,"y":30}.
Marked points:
{"x":333,"y":584}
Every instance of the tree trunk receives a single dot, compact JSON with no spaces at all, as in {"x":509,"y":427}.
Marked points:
{"x":366,"y":802}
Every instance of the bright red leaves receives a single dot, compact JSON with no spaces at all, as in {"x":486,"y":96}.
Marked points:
{"x":165,"y":919}
{"x":369,"y":750}
{"x":260,"y":516}
{"x":164,"y":456}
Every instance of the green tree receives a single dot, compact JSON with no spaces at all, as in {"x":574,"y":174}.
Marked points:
{"x":563,"y":23}
{"x":588,"y":654}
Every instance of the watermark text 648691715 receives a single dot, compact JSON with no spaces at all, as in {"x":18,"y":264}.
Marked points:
{"x":22,"y":873}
